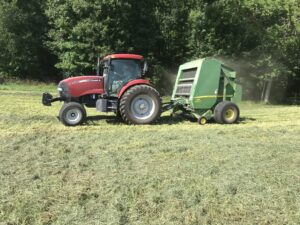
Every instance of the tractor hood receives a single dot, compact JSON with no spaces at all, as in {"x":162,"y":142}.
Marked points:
{"x":75,"y":87}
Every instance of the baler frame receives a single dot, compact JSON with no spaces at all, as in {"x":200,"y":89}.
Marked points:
{"x":206,"y":84}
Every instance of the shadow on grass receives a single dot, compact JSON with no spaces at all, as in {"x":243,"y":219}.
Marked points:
{"x":169,"y":120}
{"x":164,"y":120}
{"x":111,"y":119}
{"x":187,"y":117}
{"x":244,"y":120}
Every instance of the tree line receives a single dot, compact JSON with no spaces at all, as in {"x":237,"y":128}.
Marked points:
{"x":51,"y":39}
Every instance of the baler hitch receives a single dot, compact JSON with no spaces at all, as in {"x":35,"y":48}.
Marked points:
{"x":168,"y":106}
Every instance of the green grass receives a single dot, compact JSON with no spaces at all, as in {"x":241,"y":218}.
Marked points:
{"x":176,"y":172}
{"x":31,"y":87}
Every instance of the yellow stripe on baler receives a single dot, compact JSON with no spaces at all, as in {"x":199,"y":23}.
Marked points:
{"x":212,"y":96}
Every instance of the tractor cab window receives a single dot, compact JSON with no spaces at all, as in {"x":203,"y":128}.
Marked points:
{"x":121,"y":72}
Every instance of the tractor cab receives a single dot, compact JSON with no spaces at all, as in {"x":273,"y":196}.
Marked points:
{"x":119,"y":69}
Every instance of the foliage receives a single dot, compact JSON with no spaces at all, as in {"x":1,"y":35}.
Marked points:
{"x":264,"y":33}
{"x":172,"y":17}
{"x":218,"y":28}
{"x":83,"y":29}
{"x":23,"y":30}
{"x":35,"y":35}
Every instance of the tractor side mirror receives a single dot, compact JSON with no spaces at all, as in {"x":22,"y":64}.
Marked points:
{"x":106,"y":64}
{"x":104,"y":68}
{"x":145,"y":69}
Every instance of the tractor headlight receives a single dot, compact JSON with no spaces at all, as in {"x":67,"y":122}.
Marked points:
{"x":63,"y":90}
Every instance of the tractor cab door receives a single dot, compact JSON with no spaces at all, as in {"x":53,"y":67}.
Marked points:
{"x":121,"y":71}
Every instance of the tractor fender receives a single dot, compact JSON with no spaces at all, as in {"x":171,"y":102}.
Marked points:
{"x":131,"y":84}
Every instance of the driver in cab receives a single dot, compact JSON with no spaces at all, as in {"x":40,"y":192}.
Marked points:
{"x":121,"y":77}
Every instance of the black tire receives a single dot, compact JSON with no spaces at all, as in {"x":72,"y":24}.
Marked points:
{"x":141,"y":104}
{"x":72,"y":114}
{"x":226,"y":113}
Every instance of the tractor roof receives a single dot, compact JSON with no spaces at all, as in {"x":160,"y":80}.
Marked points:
{"x":124,"y":56}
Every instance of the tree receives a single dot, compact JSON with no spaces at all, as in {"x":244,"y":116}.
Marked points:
{"x":23,"y":29}
{"x":82,"y":30}
{"x":172,"y":17}
{"x":264,"y":32}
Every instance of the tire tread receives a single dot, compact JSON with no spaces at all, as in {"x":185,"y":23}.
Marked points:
{"x":131,"y":92}
{"x":218,"y":111}
{"x":67,"y":105}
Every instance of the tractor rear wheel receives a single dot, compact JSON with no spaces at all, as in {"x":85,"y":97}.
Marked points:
{"x":140,"y":104}
{"x":226,"y":113}
{"x":72,"y":114}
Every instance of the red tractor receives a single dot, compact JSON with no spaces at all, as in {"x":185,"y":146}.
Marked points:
{"x":118,"y":87}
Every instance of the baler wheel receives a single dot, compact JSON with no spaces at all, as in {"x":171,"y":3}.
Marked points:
{"x":72,"y":114}
{"x":226,"y":113}
{"x":202,"y":120}
{"x":140,"y":104}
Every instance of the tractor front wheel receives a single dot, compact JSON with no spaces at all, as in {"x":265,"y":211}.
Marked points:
{"x":140,"y":104}
{"x":72,"y":114}
{"x":226,"y":113}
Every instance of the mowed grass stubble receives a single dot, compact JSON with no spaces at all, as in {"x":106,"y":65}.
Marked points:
{"x":175,"y":172}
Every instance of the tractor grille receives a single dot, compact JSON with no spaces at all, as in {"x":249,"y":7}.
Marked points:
{"x":185,"y":83}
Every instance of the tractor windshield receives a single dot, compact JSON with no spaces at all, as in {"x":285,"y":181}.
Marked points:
{"x":121,"y":72}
